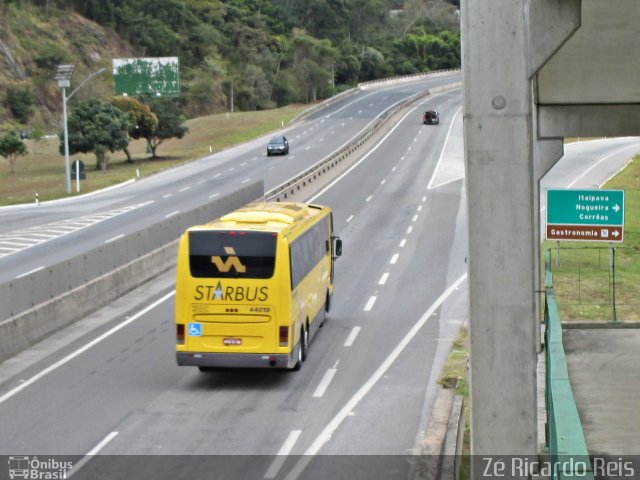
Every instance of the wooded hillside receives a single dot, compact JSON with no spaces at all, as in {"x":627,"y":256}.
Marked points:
{"x":261,"y":53}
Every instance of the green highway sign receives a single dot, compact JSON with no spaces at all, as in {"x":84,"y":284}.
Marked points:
{"x":588,"y":215}
{"x":158,"y":76}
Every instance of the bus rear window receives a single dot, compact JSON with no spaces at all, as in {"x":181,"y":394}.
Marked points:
{"x":226,"y":254}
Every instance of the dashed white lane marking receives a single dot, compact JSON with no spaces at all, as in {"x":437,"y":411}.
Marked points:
{"x":353,"y":402}
{"x":169,"y":215}
{"x":394,"y":258}
{"x":419,"y":208}
{"x":214,"y":195}
{"x":246,"y":180}
{"x":370,"y":302}
{"x":403,"y":242}
{"x":167,"y":195}
{"x":324,"y":383}
{"x":352,"y":337}
{"x":285,"y":450}
{"x":350,"y":218}
{"x":368,"y":199}
{"x":184,"y":189}
{"x":409,"y":230}
{"x":415,"y":218}
{"x":383,"y":278}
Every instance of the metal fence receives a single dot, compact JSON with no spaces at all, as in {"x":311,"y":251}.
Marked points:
{"x":596,"y":283}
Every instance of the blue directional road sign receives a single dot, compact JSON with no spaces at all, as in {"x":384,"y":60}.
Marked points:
{"x":587,"y":215}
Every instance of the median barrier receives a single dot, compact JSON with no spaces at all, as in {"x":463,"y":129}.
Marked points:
{"x":43,"y":302}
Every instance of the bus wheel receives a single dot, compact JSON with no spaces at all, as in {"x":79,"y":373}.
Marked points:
{"x":304,"y":342}
{"x":327,"y":303}
{"x":298,"y":363}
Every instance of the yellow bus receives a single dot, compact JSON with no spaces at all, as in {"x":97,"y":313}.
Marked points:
{"x":253,"y":287}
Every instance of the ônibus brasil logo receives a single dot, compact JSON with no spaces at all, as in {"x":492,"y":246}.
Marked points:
{"x":38,"y":469}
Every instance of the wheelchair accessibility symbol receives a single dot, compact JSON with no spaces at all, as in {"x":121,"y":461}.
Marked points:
{"x":195,"y":330}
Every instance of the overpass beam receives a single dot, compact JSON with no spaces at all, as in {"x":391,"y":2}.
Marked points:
{"x":551,"y":23}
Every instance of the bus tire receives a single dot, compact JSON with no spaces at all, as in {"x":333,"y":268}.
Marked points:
{"x":327,"y":303}
{"x":304,"y":342}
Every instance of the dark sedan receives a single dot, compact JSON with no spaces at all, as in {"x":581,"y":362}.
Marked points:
{"x":278,"y":146}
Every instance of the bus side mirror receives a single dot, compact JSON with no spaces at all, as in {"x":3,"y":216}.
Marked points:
{"x":337,"y":247}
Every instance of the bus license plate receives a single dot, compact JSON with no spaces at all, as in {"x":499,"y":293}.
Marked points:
{"x":232,"y":341}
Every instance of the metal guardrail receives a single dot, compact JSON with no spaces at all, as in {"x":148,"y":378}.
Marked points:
{"x":568,"y":454}
{"x":295,"y":184}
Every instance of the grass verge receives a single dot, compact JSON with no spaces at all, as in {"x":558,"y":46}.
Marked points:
{"x":42,"y":170}
{"x":582,"y":276}
{"x":454,"y":375}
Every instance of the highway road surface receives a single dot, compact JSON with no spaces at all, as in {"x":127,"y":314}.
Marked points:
{"x":359,"y":406}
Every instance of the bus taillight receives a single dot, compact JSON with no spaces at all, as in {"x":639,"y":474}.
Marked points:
{"x":180,"y":333}
{"x":284,"y":336}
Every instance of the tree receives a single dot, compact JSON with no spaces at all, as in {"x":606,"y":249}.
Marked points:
{"x":11,"y":147}
{"x":97,"y":127}
{"x":20,"y":102}
{"x":36,"y":135}
{"x":142,"y":121}
{"x":170,"y":122}
{"x":313,"y":63}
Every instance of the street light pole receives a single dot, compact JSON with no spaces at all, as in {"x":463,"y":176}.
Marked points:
{"x":63,"y":75}
{"x":67,"y":170}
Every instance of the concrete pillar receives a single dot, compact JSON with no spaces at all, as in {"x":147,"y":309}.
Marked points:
{"x":501,"y":198}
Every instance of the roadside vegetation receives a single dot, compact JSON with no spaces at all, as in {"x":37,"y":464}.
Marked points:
{"x":41,"y":169}
{"x":582,"y":275}
{"x":235,"y":55}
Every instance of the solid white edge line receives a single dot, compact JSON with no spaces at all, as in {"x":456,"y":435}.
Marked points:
{"x":117,"y":237}
{"x":324,"y":383}
{"x":352,"y":337}
{"x":446,"y":140}
{"x":285,"y":450}
{"x":83,"y":349}
{"x":333,"y":425}
{"x":30,"y":272}
{"x":588,"y":170}
{"x":364,"y":157}
{"x":94,"y":451}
